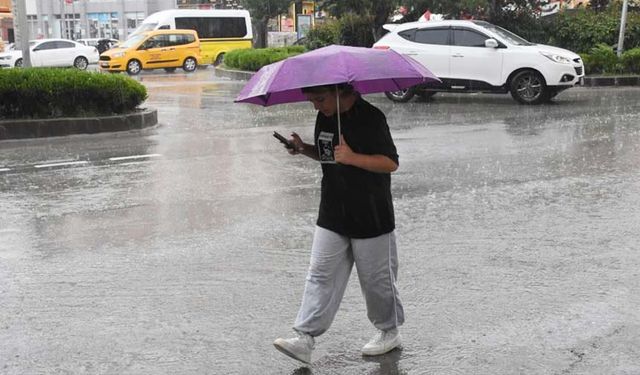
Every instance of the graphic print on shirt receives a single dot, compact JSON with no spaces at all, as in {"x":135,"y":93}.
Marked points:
{"x":325,"y":148}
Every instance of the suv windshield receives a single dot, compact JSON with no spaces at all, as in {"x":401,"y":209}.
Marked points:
{"x":507,"y":35}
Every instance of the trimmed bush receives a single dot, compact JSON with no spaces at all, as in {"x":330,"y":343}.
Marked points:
{"x":254,"y":59}
{"x":601,"y":60}
{"x":631,"y":60}
{"x":50,"y":93}
{"x":323,"y":35}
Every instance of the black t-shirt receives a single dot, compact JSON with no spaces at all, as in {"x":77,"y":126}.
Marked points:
{"x":354,"y":202}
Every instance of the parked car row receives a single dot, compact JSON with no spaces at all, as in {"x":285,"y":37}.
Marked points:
{"x":167,"y":49}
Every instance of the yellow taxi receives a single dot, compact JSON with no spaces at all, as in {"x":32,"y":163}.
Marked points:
{"x":168,"y":49}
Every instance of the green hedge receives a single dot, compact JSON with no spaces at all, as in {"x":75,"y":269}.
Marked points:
{"x":49,"y":93}
{"x":602,"y":59}
{"x":254,"y":59}
{"x":580,"y":31}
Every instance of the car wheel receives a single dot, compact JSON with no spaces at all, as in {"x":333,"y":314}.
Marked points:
{"x":528,"y":87}
{"x":401,"y":96}
{"x":169,"y":70}
{"x":133,"y":67}
{"x":190,"y":64}
{"x":18,"y":63}
{"x":219,"y":59}
{"x":81,"y":63}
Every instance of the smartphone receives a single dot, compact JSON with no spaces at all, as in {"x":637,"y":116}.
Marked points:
{"x":282,"y":139}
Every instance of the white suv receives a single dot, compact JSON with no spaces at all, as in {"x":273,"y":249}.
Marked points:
{"x":478,"y":56}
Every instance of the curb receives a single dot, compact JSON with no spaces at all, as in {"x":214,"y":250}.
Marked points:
{"x":612,"y":81}
{"x":20,"y":129}
{"x":238,"y":75}
{"x":241,"y":75}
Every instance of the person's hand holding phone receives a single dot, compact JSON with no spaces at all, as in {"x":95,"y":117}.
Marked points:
{"x":293,"y":145}
{"x":298,"y":145}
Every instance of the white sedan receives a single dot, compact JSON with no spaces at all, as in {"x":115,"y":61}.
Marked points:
{"x":53,"y":52}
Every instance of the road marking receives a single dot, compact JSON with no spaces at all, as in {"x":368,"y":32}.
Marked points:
{"x":134,"y":157}
{"x":60,"y":164}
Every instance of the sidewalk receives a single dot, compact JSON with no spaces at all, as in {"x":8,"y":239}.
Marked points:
{"x":589,"y":81}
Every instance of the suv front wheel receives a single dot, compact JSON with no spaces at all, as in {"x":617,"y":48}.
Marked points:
{"x":401,"y":96}
{"x":528,"y":87}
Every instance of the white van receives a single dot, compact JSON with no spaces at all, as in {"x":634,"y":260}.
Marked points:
{"x":219,"y":30}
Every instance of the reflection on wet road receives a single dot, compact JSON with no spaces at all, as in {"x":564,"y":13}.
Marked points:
{"x":183,"y":248}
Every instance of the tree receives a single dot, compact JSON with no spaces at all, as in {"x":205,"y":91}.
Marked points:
{"x":261,"y":11}
{"x":378,"y":11}
{"x":449,"y":8}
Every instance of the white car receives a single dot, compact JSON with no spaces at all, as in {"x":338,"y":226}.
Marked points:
{"x":476,"y":56}
{"x":53,"y":52}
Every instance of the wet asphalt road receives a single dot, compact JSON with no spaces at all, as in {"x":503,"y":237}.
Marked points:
{"x":182,"y":249}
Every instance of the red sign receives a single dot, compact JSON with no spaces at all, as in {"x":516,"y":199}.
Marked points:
{"x":68,"y":1}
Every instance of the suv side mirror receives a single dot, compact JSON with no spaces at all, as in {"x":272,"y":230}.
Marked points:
{"x":491,"y":43}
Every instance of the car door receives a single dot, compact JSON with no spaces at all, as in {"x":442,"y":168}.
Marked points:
{"x":471,"y":60}
{"x":171,"y":49}
{"x":430,"y":47}
{"x":65,"y":53}
{"x":43,"y":54}
{"x":152,"y":52}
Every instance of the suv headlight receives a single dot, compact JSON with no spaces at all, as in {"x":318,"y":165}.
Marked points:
{"x":556,"y":58}
{"x":118,"y":54}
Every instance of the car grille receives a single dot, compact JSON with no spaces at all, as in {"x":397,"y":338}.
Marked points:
{"x":105,"y":58}
{"x":579,"y":70}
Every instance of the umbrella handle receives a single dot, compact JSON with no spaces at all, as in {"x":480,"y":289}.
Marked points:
{"x":338,"y":114}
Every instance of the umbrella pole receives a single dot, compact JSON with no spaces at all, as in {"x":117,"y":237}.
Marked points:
{"x":338,"y":109}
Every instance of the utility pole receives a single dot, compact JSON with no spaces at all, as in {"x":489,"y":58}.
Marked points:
{"x":21,"y":30}
{"x":73,"y":20}
{"x":63,"y":21}
{"x":623,"y":23}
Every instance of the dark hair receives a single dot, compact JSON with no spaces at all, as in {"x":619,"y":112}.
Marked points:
{"x":344,"y":88}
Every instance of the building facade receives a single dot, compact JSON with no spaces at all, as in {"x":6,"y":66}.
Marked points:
{"x":6,"y":20}
{"x":76,"y":19}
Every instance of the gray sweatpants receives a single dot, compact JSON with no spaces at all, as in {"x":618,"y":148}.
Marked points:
{"x":332,"y":257}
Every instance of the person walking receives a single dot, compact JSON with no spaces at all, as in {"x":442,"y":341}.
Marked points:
{"x":356,"y":223}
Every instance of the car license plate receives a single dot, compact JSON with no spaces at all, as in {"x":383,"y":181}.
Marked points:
{"x":104,"y":64}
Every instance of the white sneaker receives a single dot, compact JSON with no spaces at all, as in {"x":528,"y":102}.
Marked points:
{"x":382,"y":342}
{"x":299,"y":347}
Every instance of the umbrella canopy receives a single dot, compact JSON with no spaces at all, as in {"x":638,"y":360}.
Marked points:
{"x":367,"y":70}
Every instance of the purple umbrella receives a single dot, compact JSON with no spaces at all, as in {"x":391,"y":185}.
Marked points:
{"x":367,"y":70}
